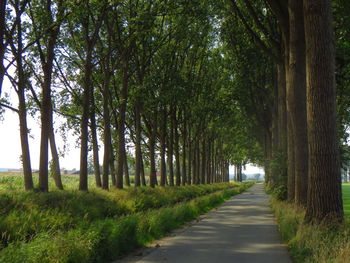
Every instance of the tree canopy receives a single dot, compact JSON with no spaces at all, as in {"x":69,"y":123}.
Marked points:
{"x":177,"y":91}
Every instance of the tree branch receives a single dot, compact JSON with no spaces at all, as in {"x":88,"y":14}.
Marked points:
{"x":266,"y":49}
{"x":258,"y":23}
{"x":9,"y":107}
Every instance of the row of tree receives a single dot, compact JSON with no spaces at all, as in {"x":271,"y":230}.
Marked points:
{"x":145,"y":74}
{"x":189,"y":86}
{"x":290,"y":93}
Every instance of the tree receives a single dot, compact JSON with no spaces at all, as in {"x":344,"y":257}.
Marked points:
{"x":2,"y":41}
{"x":15,"y":39}
{"x":47,"y":17}
{"x":324,"y":195}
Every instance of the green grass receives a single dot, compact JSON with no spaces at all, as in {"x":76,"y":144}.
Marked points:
{"x":346,"y":199}
{"x":73,"y":226}
{"x":14,"y":182}
{"x":313,"y":243}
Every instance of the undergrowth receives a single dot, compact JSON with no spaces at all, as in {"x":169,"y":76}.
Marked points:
{"x":311,"y":242}
{"x":25,"y":214}
{"x":71,"y":226}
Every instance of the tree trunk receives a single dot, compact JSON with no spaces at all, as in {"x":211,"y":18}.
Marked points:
{"x":324,"y":191}
{"x":177,"y":152}
{"x":194,"y":163}
{"x":281,"y":177}
{"x":269,"y":145}
{"x":198,"y":163}
{"x":22,"y":108}
{"x":46,"y":119}
{"x":55,"y":160}
{"x":107,"y":138}
{"x":184,"y":149}
{"x":84,"y":133}
{"x":138,"y":143}
{"x":106,"y":157}
{"x":143,"y":178}
{"x":121,"y":124}
{"x":152,"y":175}
{"x":94,"y":140}
{"x":162,"y":148}
{"x":190,"y":154}
{"x":203,"y":163}
{"x":45,"y":132}
{"x":46,"y":103}
{"x":112,"y":152}
{"x":171,"y":150}
{"x":291,"y":160}
{"x":207,"y":167}
{"x":126,"y":168}
{"x":112,"y":167}
{"x":297,"y":83}
{"x":26,"y":164}
{"x":2,"y":40}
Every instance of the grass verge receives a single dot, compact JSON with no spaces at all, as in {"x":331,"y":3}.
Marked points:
{"x":105,"y":239}
{"x":311,"y":243}
{"x":24,"y":215}
{"x":346,"y":199}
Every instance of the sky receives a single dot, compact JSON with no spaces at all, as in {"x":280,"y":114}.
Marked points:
{"x":10,"y":145}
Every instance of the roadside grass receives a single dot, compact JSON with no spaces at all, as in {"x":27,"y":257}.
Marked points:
{"x":313,"y":243}
{"x":73,"y":226}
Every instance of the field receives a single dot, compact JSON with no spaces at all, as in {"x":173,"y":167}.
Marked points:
{"x":95,"y":226}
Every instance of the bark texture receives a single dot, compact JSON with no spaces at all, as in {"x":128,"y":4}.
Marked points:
{"x":2,"y":41}
{"x":324,"y":195}
{"x":297,"y":86}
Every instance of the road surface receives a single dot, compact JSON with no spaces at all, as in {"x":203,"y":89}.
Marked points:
{"x":241,"y":230}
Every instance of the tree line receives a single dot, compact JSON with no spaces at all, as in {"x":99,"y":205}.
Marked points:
{"x":140,"y":73}
{"x":294,"y":100}
{"x":193,"y":86}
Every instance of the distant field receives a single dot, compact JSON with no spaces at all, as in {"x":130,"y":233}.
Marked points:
{"x":346,"y":198}
{"x":14,"y":181}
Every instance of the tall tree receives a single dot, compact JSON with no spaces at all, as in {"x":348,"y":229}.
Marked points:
{"x":47,"y":16}
{"x":2,"y":41}
{"x":15,"y":39}
{"x":91,"y":24}
{"x":297,"y":86}
{"x":324,"y":195}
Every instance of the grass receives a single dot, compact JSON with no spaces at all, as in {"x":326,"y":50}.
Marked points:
{"x":97,"y":226}
{"x":313,"y":243}
{"x":14,"y":181}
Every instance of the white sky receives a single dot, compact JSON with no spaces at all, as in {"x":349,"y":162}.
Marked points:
{"x":10,"y":145}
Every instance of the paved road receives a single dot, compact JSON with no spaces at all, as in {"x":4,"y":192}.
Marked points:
{"x":241,"y":230}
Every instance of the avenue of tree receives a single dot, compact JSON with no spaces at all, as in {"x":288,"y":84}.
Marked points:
{"x":185,"y":88}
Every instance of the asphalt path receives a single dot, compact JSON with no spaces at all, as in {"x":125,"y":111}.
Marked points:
{"x":241,"y":230}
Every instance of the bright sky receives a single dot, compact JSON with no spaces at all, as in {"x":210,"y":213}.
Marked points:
{"x":10,"y":145}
